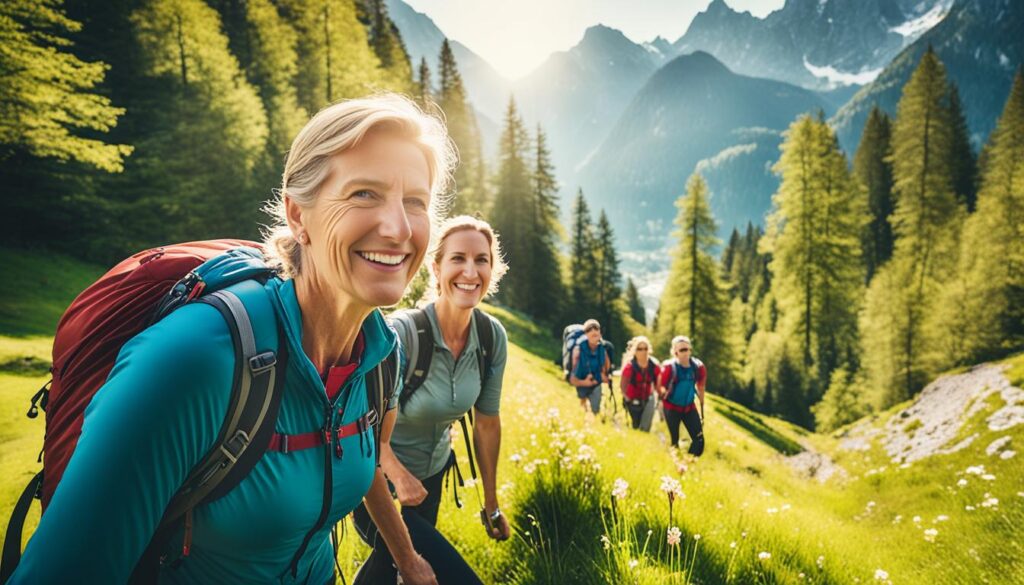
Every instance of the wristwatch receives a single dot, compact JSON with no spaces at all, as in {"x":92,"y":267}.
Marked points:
{"x":489,"y":520}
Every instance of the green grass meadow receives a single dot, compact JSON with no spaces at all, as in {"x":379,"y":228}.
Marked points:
{"x":743,"y":514}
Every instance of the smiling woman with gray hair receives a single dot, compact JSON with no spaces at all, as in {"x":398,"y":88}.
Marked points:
{"x":354,"y":215}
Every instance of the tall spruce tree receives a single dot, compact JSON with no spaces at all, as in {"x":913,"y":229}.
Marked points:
{"x":210,"y":113}
{"x":471,"y":196}
{"x":636,"y":306}
{"x":873,"y":170}
{"x":386,"y":41}
{"x":962,"y":163}
{"x":606,"y":275}
{"x":582,"y":260}
{"x":992,"y":254}
{"x":543,"y":281}
{"x":695,"y":302}
{"x":926,"y":225}
{"x":424,"y":93}
{"x":814,"y":235}
{"x":513,"y":208}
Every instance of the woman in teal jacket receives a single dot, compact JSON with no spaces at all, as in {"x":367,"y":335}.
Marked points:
{"x":467,"y":266}
{"x":354,"y":218}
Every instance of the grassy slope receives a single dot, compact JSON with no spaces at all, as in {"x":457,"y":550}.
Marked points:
{"x":558,"y":491}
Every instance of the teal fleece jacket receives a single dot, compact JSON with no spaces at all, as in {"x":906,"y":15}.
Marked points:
{"x":157,"y":415}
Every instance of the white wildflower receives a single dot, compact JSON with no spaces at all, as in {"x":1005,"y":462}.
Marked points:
{"x":941,"y":518}
{"x":606,"y":542}
{"x":961,"y":482}
{"x":620,"y":489}
{"x":674,"y":536}
{"x":975,"y":470}
{"x":764,"y":556}
{"x":988,"y":477}
{"x":916,"y":519}
{"x":633,"y":563}
{"x":881,"y":575}
{"x":930,"y":534}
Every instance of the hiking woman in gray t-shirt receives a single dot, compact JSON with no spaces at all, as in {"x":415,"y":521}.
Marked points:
{"x":455,"y":361}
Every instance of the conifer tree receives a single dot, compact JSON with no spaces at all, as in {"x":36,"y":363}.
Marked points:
{"x":842,"y":404}
{"x":337,"y":60}
{"x":470,"y":196}
{"x":513,"y":208}
{"x":606,"y":274}
{"x":695,"y":302}
{"x":992,"y":255}
{"x":424,"y":92}
{"x":543,"y":234}
{"x":636,"y":306}
{"x":926,"y":226}
{"x":582,"y":259}
{"x":209,"y":113}
{"x":814,"y":234}
{"x":962,"y":163}
{"x":874,"y":172}
{"x":386,"y":41}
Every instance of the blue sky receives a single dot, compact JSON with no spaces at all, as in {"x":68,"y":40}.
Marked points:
{"x":516,"y":35}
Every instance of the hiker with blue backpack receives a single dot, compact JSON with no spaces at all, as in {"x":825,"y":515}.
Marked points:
{"x":683,"y":379}
{"x":455,"y":362}
{"x":232,"y":398}
{"x":590,"y":366}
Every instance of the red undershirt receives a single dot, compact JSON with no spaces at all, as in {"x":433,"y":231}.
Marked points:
{"x":336,"y":376}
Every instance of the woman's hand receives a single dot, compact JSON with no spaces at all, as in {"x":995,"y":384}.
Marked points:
{"x":417,"y":571}
{"x":497,"y":529}
{"x":409,"y":489}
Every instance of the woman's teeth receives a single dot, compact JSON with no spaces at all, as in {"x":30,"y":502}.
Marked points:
{"x":467,"y":287}
{"x":389,"y":259}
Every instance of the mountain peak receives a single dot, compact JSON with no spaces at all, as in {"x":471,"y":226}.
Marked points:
{"x":604,"y":34}
{"x":698,"y":63}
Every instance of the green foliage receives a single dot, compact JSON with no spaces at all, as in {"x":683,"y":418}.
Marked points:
{"x":962,"y":163}
{"x":926,"y":222}
{"x":40,"y":289}
{"x":814,"y":236}
{"x":843,"y":403}
{"x":49,"y":106}
{"x":695,"y":302}
{"x":605,"y":273}
{"x":206,"y":111}
{"x":991,"y":292}
{"x":423,"y":92}
{"x":545,"y":289}
{"x":636,"y":306}
{"x":873,"y":170}
{"x":582,"y":257}
{"x":386,"y":41}
{"x":513,"y":206}
{"x":471,"y":193}
{"x":337,"y":61}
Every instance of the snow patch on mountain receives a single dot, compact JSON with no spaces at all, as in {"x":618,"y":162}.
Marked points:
{"x":914,"y":28}
{"x":838,"y":78}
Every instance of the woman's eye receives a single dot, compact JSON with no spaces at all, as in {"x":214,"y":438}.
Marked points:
{"x":416,"y":202}
{"x":364,"y":194}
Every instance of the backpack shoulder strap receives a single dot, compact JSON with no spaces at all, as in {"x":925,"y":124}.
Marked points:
{"x":248,"y":425}
{"x":420,"y":355}
{"x":380,"y":386}
{"x":485,"y":337}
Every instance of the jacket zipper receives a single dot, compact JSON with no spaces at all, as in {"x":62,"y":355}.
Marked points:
{"x":328,"y":496}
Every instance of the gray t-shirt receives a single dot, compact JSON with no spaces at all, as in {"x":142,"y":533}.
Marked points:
{"x":421,"y":439}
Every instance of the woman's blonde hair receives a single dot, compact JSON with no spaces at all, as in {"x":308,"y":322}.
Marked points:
{"x":340,"y":127}
{"x":631,"y":346}
{"x":462,"y":223}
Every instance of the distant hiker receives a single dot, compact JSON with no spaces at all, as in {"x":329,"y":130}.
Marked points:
{"x":683,"y":379}
{"x":455,"y":362}
{"x":639,"y":381}
{"x":591,"y":366}
{"x":301,"y":333}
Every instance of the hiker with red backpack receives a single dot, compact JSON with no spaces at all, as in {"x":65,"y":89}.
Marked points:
{"x":234,"y":431}
{"x":455,"y":364}
{"x":590,"y":367}
{"x":682,"y":381}
{"x":639,"y":382}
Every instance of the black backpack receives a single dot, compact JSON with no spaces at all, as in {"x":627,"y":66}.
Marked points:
{"x":421,"y":354}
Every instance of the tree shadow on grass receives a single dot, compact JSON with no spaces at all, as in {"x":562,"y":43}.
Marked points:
{"x":764,"y":433}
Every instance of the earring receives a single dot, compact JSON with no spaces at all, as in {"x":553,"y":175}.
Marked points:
{"x":302,"y":238}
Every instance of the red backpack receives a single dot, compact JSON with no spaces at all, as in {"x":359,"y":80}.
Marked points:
{"x":127,"y":299}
